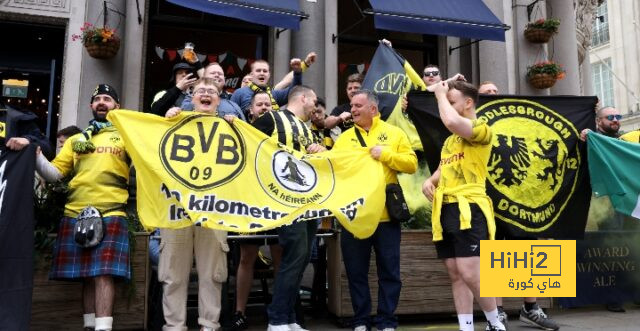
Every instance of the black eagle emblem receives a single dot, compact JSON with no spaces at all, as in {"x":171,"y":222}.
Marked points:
{"x":550,"y":152}
{"x":508,"y":163}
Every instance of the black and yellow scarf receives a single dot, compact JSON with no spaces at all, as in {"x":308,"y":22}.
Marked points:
{"x":255,"y":88}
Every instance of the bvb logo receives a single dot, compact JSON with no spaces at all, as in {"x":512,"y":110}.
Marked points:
{"x":533,"y":163}
{"x":292,"y":181}
{"x":202,"y":152}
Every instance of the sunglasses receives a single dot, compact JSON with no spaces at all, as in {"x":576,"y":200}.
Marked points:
{"x":612,"y":117}
{"x":431,"y":73}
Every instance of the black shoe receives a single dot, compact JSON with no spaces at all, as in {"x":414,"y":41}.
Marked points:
{"x":615,"y":307}
{"x":239,"y":322}
{"x":538,"y":318}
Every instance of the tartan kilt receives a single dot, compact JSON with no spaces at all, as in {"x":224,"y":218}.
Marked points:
{"x":109,"y":257}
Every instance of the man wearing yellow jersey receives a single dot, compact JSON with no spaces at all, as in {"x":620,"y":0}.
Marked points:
{"x":390,"y":146}
{"x":99,"y":164}
{"x":462,"y":214}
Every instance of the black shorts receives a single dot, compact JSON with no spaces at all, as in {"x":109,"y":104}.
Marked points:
{"x":461,"y":243}
{"x":261,"y":241}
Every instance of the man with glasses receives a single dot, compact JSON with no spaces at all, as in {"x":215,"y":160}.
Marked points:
{"x":608,"y":124}
{"x":431,"y":75}
{"x":180,"y":245}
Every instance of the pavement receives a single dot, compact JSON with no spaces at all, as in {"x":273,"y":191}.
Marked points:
{"x":589,"y":318}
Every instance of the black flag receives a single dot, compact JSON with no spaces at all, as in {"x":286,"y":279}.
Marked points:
{"x":16,"y":237}
{"x":537,"y":172}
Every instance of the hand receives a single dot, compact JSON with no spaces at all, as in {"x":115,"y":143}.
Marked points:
{"x":17,"y":143}
{"x":458,"y":76}
{"x":229,"y":118}
{"x":296,"y":65}
{"x":404,"y":103}
{"x":173,"y":112}
{"x":185,"y":82}
{"x":311,"y":58}
{"x":386,"y":42}
{"x":583,"y":134}
{"x":428,"y":189}
{"x":315,"y":148}
{"x":345,"y":116}
{"x":441,"y":89}
{"x":38,"y":150}
{"x":376,"y":152}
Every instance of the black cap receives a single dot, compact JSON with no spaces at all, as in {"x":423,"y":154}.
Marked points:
{"x":178,"y":66}
{"x":105,"y":89}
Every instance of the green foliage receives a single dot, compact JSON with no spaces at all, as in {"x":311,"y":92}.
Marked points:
{"x":546,"y":67}
{"x":551,"y":24}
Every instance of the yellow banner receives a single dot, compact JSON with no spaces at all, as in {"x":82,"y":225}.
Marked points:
{"x":197,"y":168}
{"x":528,"y":268}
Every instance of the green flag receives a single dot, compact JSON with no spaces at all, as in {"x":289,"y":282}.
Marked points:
{"x":613,"y":166}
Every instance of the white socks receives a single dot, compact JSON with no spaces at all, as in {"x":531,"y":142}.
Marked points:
{"x":89,"y":320}
{"x":104,"y":323}
{"x":466,"y":322}
{"x":492,"y":318}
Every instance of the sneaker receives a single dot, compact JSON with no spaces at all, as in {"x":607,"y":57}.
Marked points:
{"x":283,"y":327}
{"x":503,"y":317}
{"x":498,"y":327}
{"x":537,"y":317}
{"x":389,"y":329}
{"x":360,"y":328}
{"x":206,"y":328}
{"x":296,"y":327}
{"x":239,"y":322}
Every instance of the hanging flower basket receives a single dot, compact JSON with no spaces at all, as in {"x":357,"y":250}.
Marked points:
{"x":542,"y":81}
{"x":101,"y":43}
{"x":103,"y":50}
{"x":541,"y":31}
{"x":544,"y":75}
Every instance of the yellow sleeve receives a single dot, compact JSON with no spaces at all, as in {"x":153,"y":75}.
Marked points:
{"x":64,"y":160}
{"x":632,"y":137}
{"x":400,"y":157}
{"x":480,"y":133}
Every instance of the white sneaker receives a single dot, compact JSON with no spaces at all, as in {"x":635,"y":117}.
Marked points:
{"x":360,"y":328}
{"x":206,"y":328}
{"x":388,"y":329}
{"x":296,"y":327}
{"x":283,"y":327}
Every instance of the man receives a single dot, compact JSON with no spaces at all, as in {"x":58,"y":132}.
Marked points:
{"x":289,"y":128}
{"x":432,"y":75}
{"x":260,"y":74}
{"x":17,"y":131}
{"x":226,"y":107}
{"x":260,"y":104}
{"x":64,"y":134}
{"x":341,"y":115}
{"x":608,"y":124}
{"x":181,"y":80}
{"x":180,"y":245}
{"x":459,"y":185}
{"x":488,"y":87}
{"x":99,"y":164}
{"x":390,"y":146}
{"x":321,"y":133}
{"x":530,"y":312}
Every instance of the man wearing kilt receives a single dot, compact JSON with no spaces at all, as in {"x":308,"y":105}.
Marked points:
{"x":99,"y":165}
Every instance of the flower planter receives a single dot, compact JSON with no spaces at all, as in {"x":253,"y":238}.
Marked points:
{"x":537,"y":35}
{"x":57,"y":305}
{"x":542,"y":81}
{"x":103,"y":50}
{"x":426,"y":287}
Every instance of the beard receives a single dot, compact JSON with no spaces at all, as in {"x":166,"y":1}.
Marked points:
{"x":100,"y":117}
{"x":610,"y":131}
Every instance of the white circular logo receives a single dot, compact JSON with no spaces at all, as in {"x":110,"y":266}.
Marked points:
{"x":294,"y":174}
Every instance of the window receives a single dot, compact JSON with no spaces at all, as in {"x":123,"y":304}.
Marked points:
{"x":603,"y":82}
{"x":600,"y":26}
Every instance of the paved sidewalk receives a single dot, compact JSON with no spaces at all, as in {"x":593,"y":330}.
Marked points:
{"x":591,"y":318}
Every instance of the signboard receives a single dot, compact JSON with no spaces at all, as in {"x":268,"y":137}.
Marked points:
{"x":14,"y":88}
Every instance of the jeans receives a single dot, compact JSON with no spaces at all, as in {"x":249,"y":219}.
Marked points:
{"x":296,"y":240}
{"x":356,"y":254}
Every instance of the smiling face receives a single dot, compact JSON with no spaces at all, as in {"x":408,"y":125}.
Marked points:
{"x":101,"y":105}
{"x":362,"y":111}
{"x":309,"y":104}
{"x":215,"y":72}
{"x":352,"y":88}
{"x":260,"y":73}
{"x":206,"y":98}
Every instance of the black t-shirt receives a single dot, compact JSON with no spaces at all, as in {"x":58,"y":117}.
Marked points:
{"x":345,"y":107}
